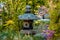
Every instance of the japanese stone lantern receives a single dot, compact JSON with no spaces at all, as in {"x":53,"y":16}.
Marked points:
{"x":28,"y":18}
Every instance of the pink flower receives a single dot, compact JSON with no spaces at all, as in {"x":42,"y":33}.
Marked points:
{"x":49,"y":33}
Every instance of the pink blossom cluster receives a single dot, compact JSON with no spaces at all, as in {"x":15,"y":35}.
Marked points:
{"x":49,"y":33}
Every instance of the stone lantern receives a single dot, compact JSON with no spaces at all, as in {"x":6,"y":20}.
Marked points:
{"x":28,"y":19}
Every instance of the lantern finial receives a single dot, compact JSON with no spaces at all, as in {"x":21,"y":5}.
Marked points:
{"x":28,"y":9}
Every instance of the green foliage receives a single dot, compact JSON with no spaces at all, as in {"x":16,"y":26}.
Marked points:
{"x":41,"y":22}
{"x":11,"y":10}
{"x":38,"y":36}
{"x":5,"y":35}
{"x":55,"y":17}
{"x":27,"y":37}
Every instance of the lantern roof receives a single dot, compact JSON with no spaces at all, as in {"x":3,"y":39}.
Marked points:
{"x":28,"y":15}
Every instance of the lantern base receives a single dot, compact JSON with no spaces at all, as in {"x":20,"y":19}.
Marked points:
{"x":30,"y":32}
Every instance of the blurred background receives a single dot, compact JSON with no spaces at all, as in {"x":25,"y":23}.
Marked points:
{"x":48,"y":12}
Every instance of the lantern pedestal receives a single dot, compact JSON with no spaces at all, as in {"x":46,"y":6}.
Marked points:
{"x":30,"y":32}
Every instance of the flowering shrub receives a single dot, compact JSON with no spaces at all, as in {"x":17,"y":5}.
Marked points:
{"x":10,"y":22}
{"x":49,"y":34}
